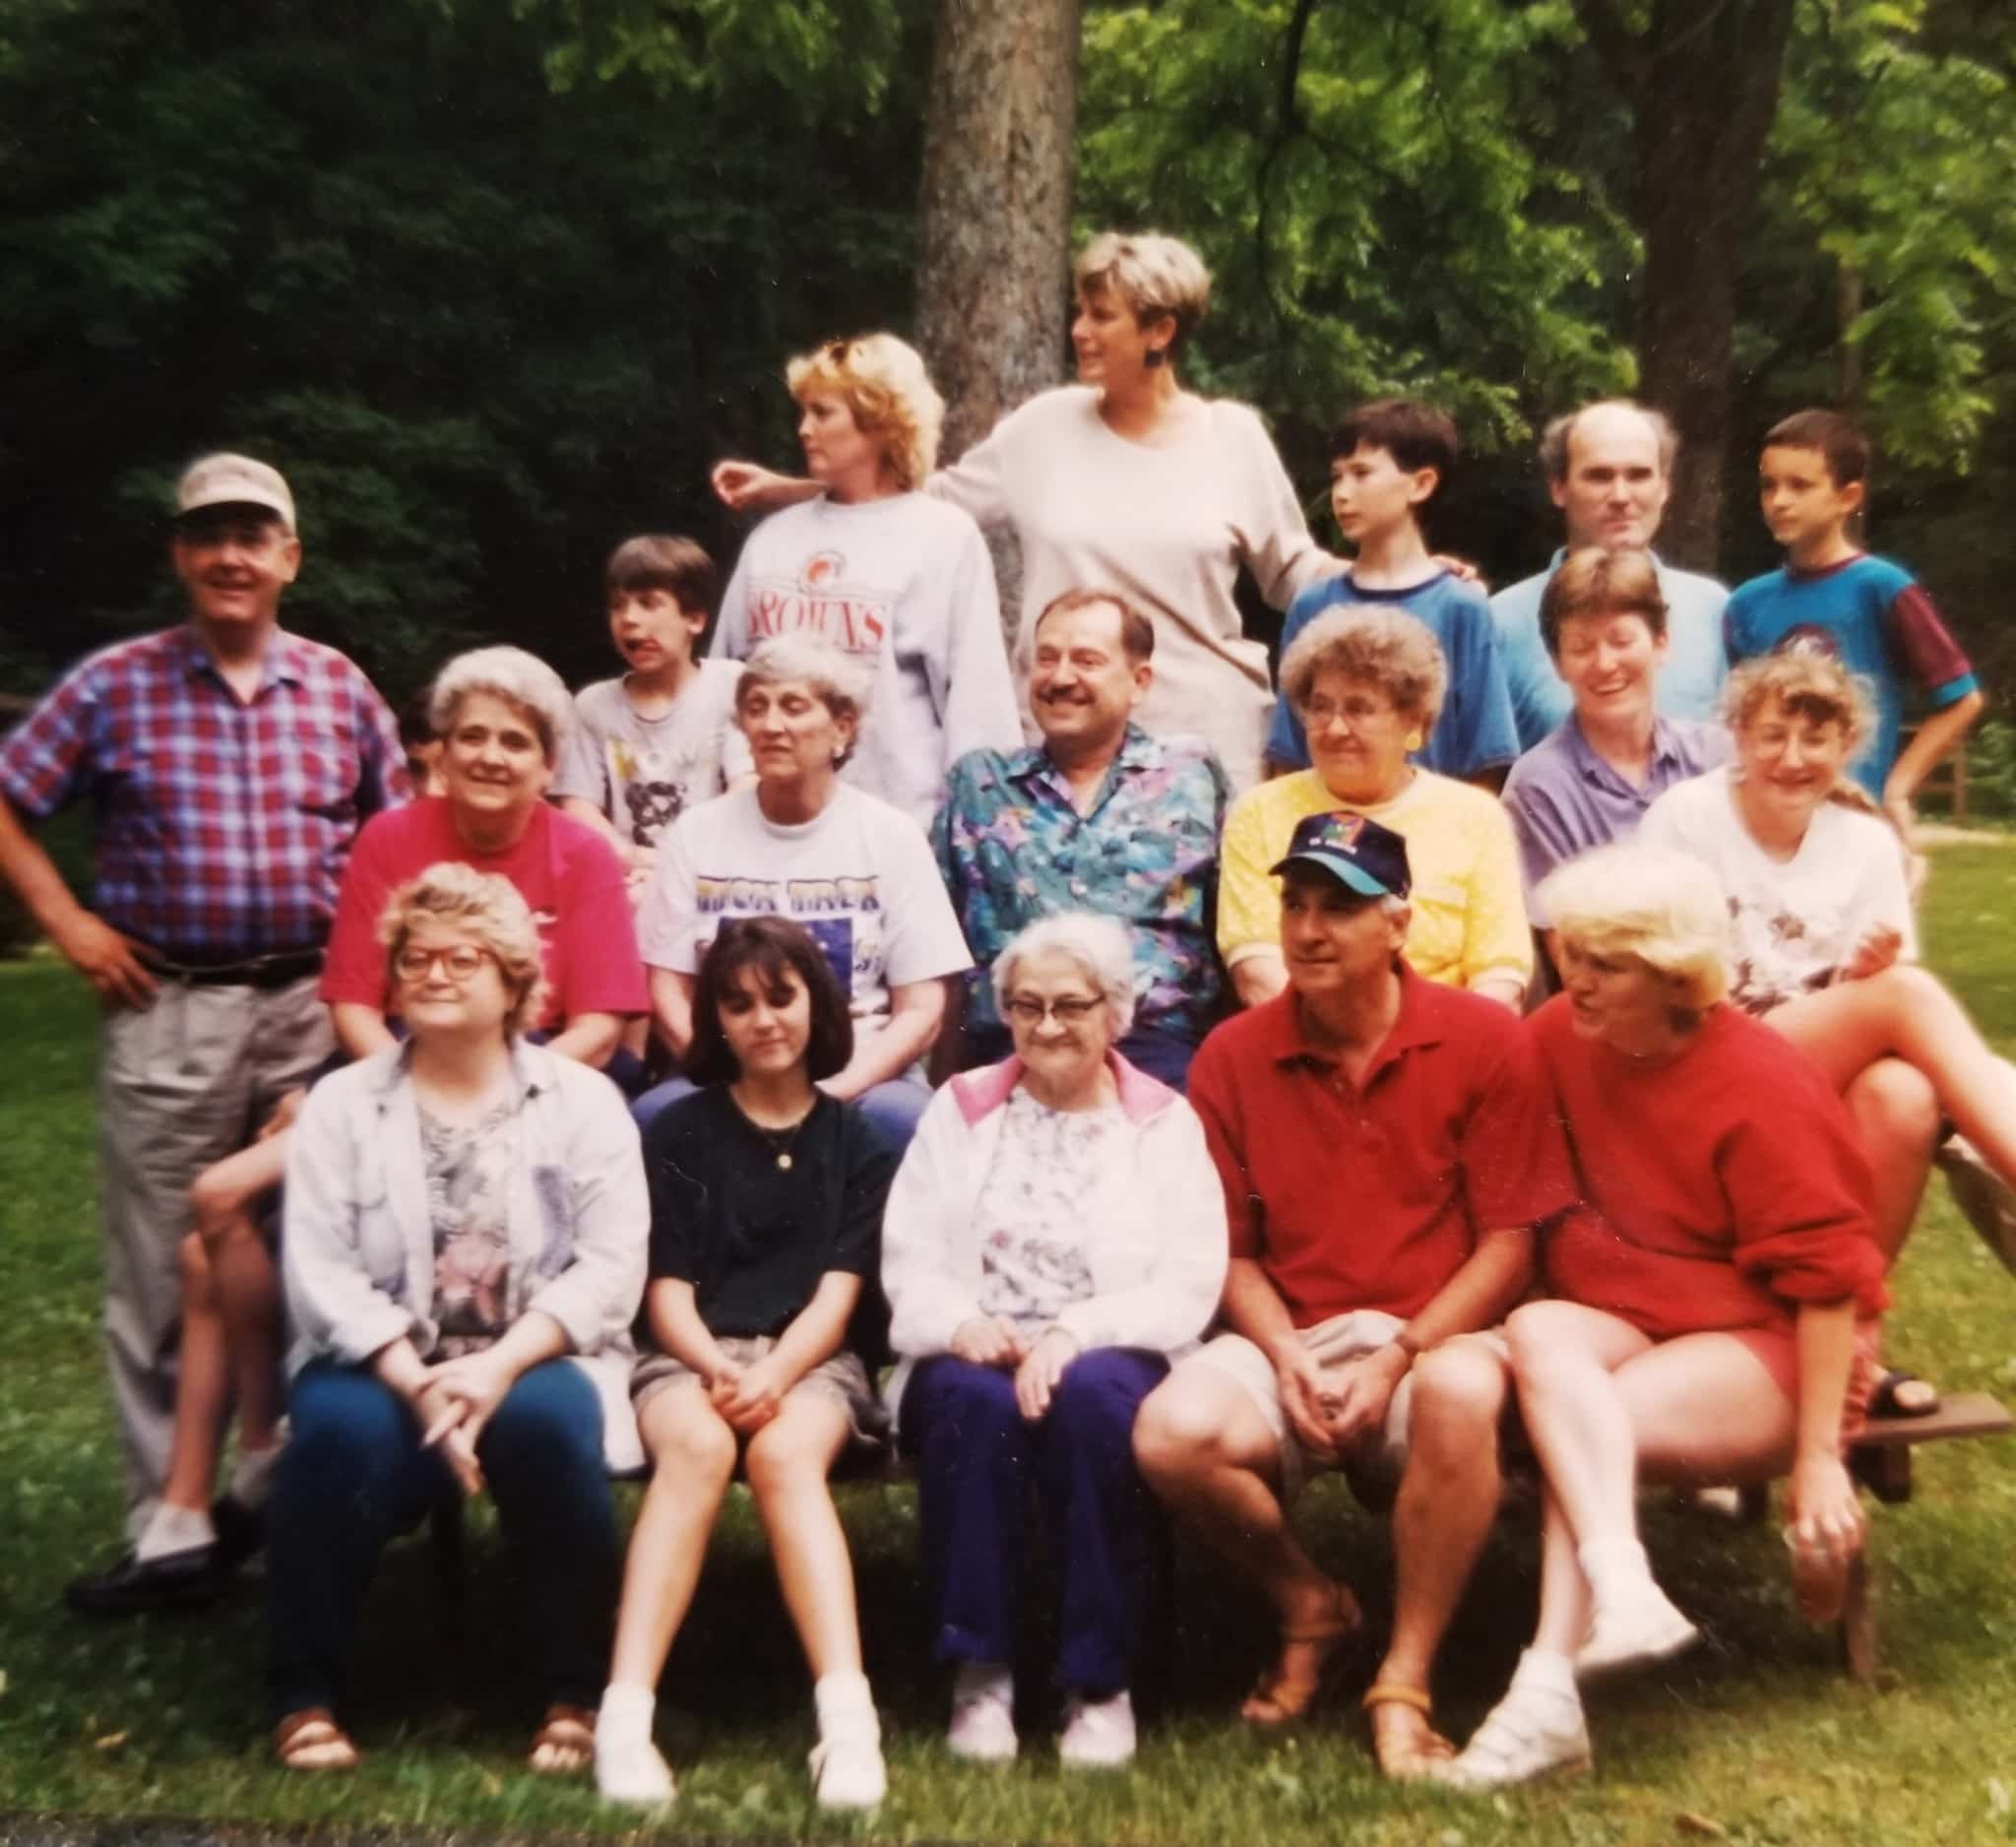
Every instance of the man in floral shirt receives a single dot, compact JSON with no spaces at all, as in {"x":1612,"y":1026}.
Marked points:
{"x":1099,"y":817}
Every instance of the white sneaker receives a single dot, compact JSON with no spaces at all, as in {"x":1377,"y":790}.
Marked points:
{"x":847,"y":1766}
{"x":1099,"y":1734}
{"x":1532,"y":1732}
{"x":982,"y":1728}
{"x":630,"y":1771}
{"x":1633,"y":1629}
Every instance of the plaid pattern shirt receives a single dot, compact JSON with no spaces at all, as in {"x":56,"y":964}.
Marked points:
{"x":222,"y":826}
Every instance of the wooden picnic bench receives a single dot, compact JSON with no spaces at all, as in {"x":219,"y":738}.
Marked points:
{"x":1880,"y":1461}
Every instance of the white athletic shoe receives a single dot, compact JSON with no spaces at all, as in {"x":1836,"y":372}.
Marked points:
{"x":982,"y":1728}
{"x":847,"y":1766}
{"x":630,"y":1771}
{"x":1532,"y":1732}
{"x":1099,"y":1734}
{"x":1633,"y":1629}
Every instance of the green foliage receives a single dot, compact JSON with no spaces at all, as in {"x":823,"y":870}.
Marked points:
{"x":486,"y":324}
{"x":1375,"y":190}
{"x":1897,"y":160}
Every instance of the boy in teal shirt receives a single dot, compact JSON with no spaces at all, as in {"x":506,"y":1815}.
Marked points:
{"x":1871,"y":612}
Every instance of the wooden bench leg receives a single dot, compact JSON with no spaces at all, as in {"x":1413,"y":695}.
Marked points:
{"x":1859,"y":1651}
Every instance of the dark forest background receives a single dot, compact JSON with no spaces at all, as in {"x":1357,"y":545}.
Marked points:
{"x":496,"y":283}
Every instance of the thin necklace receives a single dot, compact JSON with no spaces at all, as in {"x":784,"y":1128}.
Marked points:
{"x":780,"y":1140}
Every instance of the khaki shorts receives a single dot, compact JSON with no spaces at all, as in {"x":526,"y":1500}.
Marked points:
{"x":1376,"y":1461}
{"x":842,"y":1378}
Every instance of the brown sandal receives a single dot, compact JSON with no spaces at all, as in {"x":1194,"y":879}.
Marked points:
{"x":567,"y":1731}
{"x":1280,"y":1698}
{"x":1420,"y":1757}
{"x":311,"y":1739}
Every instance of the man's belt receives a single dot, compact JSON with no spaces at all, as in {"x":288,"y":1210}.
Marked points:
{"x":278,"y":970}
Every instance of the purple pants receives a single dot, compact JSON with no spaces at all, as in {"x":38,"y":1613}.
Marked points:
{"x":977,"y":1464}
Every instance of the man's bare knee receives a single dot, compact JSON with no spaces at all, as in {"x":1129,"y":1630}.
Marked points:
{"x":1460,"y":1391}
{"x":1178,"y":1432}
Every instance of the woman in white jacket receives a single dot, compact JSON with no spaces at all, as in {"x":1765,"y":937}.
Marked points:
{"x":1053,"y":1236}
{"x":464,"y":1253}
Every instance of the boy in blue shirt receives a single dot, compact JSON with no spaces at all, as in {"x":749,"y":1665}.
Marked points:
{"x":1388,"y":460}
{"x":1871,"y":612}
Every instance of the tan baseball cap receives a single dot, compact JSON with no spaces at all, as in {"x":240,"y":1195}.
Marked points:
{"x":224,"y":480}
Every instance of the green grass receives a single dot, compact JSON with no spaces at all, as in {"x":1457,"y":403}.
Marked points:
{"x":1757,"y":1736}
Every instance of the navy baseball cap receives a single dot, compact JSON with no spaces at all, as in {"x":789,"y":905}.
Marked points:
{"x":1370,"y":858}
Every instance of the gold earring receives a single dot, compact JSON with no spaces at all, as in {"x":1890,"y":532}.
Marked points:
{"x":1413,"y":741}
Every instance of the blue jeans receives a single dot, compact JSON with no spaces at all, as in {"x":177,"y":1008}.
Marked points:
{"x":353,"y":1475}
{"x":978,"y":1462}
{"x":893,"y":1108}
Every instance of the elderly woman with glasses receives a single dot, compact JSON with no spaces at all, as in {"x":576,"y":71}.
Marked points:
{"x":1367,"y":683}
{"x":1127,"y":479}
{"x":465,"y":1244}
{"x":1054,"y":1234}
{"x":899,"y":578}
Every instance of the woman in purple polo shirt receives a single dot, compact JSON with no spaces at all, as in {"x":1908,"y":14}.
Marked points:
{"x":1589,"y":782}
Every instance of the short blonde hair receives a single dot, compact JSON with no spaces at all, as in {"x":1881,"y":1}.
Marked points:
{"x":1390,"y":649}
{"x":522,"y":680}
{"x":1152,"y":275}
{"x":1809,"y":682}
{"x":483,"y":904}
{"x":1664,"y":908}
{"x":838,"y":680}
{"x":883,"y":383}
{"x":1099,"y":946}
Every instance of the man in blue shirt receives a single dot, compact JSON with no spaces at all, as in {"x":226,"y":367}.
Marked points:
{"x":1609,"y":469}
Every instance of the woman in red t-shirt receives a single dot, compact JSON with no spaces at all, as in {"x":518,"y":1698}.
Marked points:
{"x":1716,"y":1288}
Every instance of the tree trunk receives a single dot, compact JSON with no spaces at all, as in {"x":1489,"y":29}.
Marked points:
{"x":1702,"y":84}
{"x":991,"y":292}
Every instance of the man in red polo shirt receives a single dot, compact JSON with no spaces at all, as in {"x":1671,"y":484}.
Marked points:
{"x":1388,"y":1151}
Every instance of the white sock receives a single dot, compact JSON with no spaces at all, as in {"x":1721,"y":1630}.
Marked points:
{"x":1546,"y":1672}
{"x":1614,"y":1566}
{"x":982,"y":1680}
{"x":626,"y":1711}
{"x":843,"y":1697}
{"x":252,"y":1477}
{"x":174,"y":1529}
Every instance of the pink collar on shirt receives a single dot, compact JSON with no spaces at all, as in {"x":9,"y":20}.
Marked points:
{"x":1142,"y":1098}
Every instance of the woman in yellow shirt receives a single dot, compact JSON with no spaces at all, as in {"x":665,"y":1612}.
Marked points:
{"x":1367,"y":683}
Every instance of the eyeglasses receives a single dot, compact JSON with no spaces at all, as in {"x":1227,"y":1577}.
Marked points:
{"x":414,"y":964}
{"x":1071,"y":1010}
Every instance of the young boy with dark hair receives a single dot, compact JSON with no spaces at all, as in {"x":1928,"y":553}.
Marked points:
{"x":1388,"y":460}
{"x":1812,"y":475}
{"x":651,"y":743}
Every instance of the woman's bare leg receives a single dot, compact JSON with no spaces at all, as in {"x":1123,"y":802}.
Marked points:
{"x":202,"y":1388}
{"x":693,"y":1458}
{"x":1906,"y":1013}
{"x":1896,"y":1115}
{"x":226,"y":1198}
{"x":788,"y":1463}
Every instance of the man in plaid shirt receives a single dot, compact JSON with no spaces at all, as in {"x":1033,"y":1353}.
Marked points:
{"x":228,"y":766}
